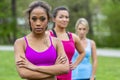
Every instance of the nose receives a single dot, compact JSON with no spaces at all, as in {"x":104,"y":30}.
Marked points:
{"x":64,"y":19}
{"x":38,"y":22}
{"x":81,"y":31}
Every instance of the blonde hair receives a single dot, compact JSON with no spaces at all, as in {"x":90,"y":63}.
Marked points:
{"x":82,"y":21}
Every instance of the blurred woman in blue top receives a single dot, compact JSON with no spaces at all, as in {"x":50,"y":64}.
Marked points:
{"x":85,"y":70}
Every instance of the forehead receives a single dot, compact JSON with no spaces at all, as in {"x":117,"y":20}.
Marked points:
{"x":63,"y":12}
{"x":38,"y":11}
{"x":81,"y":26}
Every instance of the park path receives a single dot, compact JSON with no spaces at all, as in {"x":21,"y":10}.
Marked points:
{"x":100,"y":52}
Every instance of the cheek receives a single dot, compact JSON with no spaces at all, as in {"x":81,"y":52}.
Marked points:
{"x":32,"y":25}
{"x":67,"y":19}
{"x":78,"y":31}
{"x":45,"y":24}
{"x":31,"y":22}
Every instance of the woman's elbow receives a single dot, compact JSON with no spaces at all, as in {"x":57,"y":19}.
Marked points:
{"x":83,"y":53}
{"x":66,"y":69}
{"x":23,"y":75}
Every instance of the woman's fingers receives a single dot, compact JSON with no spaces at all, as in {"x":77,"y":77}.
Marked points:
{"x":61,"y":59}
{"x":22,"y":57}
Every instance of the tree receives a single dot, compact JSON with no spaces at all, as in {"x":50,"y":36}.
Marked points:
{"x":5,"y":21}
{"x":109,"y":27}
{"x":14,"y":24}
{"x":112,"y":11}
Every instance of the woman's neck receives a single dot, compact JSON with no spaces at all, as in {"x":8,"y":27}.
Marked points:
{"x":38,"y":36}
{"x":82,"y":38}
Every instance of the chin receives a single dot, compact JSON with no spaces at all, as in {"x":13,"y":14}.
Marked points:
{"x":38,"y":33}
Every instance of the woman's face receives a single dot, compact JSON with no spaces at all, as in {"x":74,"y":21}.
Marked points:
{"x":62,"y":18}
{"x":82,"y":30}
{"x":38,"y":20}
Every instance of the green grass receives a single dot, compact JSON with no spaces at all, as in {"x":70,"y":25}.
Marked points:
{"x":108,"y":67}
{"x":7,"y":66}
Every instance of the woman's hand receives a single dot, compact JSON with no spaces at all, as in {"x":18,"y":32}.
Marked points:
{"x":72,"y":66}
{"x":61,"y":60}
{"x":92,"y":78}
{"x":24,"y":63}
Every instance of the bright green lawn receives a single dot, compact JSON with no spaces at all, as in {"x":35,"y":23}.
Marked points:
{"x":108,"y":67}
{"x":7,"y":66}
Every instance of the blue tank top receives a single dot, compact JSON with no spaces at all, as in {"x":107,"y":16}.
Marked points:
{"x":84,"y":69}
{"x":47,"y":57}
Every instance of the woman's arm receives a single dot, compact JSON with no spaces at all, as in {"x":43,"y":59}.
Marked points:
{"x":19,"y":50}
{"x":80,"y":50}
{"x":58,"y":68}
{"x":94,"y":60}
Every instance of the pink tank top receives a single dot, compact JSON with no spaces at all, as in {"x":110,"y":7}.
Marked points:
{"x":69,"y":48}
{"x":47,"y":57}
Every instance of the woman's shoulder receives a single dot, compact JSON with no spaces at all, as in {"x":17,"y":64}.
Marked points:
{"x":92,"y":42}
{"x":72,"y":34}
{"x":75,"y":37}
{"x":55,"y":39}
{"x":48,"y":32}
{"x":19,"y":40}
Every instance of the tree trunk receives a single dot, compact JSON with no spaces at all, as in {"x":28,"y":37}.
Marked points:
{"x":14,"y":24}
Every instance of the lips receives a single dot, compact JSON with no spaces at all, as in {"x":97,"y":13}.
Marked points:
{"x":38,"y":29}
{"x":65,"y":23}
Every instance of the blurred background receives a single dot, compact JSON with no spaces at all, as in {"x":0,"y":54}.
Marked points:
{"x":103,"y":17}
{"x":104,"y":20}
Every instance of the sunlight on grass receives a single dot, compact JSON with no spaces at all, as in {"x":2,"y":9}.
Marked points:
{"x":7,"y":66}
{"x":108,"y":67}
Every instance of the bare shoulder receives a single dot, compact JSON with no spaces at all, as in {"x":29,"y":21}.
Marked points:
{"x":73,"y":34}
{"x":48,"y":32}
{"x":55,"y":40}
{"x":93,"y":44}
{"x":19,"y":42}
{"x":75,"y":37}
{"x":19,"y":46}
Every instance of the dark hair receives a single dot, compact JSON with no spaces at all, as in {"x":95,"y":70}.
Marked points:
{"x":35,"y":4}
{"x":55,"y":11}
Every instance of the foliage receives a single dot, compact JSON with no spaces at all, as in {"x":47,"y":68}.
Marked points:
{"x":79,"y":8}
{"x":4,"y":20}
{"x":110,"y":9}
{"x":102,"y":15}
{"x":7,"y":22}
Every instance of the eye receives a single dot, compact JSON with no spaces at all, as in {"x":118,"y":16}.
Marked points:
{"x":60,"y":16}
{"x":34,"y":18}
{"x":42,"y":18}
{"x":84,"y":28}
{"x":79,"y":28}
{"x":67,"y":17}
